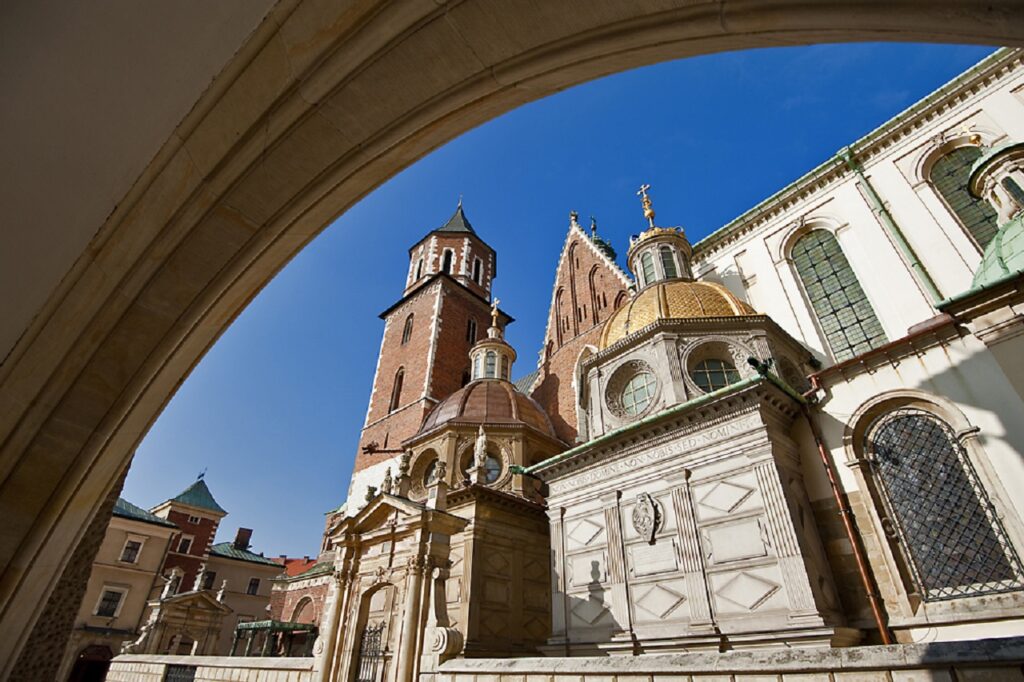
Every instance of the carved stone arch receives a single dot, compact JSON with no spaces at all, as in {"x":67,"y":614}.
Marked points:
{"x":714,"y":346}
{"x":305,"y":611}
{"x":804,"y":225}
{"x":872,"y":408}
{"x":947,"y":141}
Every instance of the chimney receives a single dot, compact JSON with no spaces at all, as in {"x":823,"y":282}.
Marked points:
{"x":242,"y":538}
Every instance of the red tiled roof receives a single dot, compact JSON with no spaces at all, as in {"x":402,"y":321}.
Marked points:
{"x":295,"y":566}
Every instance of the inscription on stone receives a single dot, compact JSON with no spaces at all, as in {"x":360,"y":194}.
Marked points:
{"x":654,"y":559}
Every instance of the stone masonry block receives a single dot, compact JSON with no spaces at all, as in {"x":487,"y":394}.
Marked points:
{"x":921,"y":676}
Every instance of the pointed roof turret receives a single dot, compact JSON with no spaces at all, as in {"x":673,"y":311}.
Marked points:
{"x":198,"y":495}
{"x":458,"y":222}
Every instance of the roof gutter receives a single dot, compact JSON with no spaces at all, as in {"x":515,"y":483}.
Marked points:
{"x":889,"y":223}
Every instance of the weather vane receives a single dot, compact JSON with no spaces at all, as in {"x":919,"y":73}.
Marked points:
{"x":646,"y":201}
{"x":201,"y":474}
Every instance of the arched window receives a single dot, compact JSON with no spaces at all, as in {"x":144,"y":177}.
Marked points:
{"x":647,"y":267}
{"x":941,"y":517}
{"x":491,"y":364}
{"x":504,"y":367}
{"x":477,"y":270}
{"x":419,"y":268}
{"x":478,"y":366}
{"x":1014,"y":189}
{"x":396,"y":390}
{"x":620,"y":299}
{"x":471,"y":331}
{"x":713,"y":374}
{"x":446,"y":261}
{"x":668,"y":262}
{"x":407,"y":330}
{"x":846,"y":317}
{"x":949,"y":177}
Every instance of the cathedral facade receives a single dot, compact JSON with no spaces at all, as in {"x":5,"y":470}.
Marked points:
{"x":805,"y":430}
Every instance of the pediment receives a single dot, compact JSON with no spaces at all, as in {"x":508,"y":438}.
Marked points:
{"x":203,"y":600}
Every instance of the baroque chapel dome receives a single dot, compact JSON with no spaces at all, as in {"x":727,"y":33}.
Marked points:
{"x":668,"y":300}
{"x":488,"y":402}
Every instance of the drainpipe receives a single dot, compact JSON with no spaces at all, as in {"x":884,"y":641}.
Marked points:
{"x":846,"y":514}
{"x":889,"y":223}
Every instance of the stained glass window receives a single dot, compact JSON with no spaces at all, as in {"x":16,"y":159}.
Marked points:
{"x":668,"y":262}
{"x":638,"y":393}
{"x":843,"y":310}
{"x":949,"y":177}
{"x":713,"y":374}
{"x":941,"y":515}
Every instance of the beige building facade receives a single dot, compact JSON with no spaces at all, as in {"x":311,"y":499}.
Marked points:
{"x":123,"y":577}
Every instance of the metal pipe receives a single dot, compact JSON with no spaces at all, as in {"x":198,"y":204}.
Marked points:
{"x":846,"y":514}
{"x":889,"y":223}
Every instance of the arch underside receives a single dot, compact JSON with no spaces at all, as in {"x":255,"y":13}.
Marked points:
{"x":324,"y":102}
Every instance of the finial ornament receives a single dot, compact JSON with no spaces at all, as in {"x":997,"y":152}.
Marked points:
{"x":646,"y":201}
{"x":494,"y":312}
{"x":573,"y":218}
{"x":460,"y":200}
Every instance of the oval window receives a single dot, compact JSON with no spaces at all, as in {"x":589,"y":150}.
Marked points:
{"x":638,"y":393}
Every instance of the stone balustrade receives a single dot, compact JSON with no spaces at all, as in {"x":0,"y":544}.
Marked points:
{"x":153,"y":668}
{"x":974,"y":661}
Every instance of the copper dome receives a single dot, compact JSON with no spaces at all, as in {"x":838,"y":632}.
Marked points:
{"x":488,"y":402}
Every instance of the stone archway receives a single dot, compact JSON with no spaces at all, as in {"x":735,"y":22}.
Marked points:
{"x":323,"y":103}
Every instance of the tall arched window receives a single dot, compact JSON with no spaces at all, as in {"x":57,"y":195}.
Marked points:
{"x":471,"y":331}
{"x":647,"y":267}
{"x":419,"y":268}
{"x":396,"y":390}
{"x":491,"y":364}
{"x":407,"y":330}
{"x":477,"y":269}
{"x":843,"y":310}
{"x":668,"y":262}
{"x":941,"y":517}
{"x":949,"y":177}
{"x":446,"y":261}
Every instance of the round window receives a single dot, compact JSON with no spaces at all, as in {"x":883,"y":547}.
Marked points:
{"x":713,"y":374}
{"x":492,"y":468}
{"x":638,"y":393}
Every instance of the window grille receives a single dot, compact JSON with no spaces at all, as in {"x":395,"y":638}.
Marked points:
{"x":843,"y":310}
{"x":713,"y":374}
{"x":949,"y":177}
{"x":668,"y":262}
{"x":647,"y":266}
{"x":180,"y":673}
{"x":638,"y":393}
{"x":939,"y":514}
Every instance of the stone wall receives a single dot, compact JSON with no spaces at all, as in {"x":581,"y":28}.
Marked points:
{"x":144,"y":668}
{"x":987,"y":659}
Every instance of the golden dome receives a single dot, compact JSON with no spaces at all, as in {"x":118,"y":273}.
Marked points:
{"x":669,"y":300}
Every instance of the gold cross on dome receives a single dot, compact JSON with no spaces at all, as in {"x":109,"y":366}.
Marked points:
{"x":494,"y":312}
{"x":646,"y":201}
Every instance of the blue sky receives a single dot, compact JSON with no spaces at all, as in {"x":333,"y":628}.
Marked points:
{"x":273,"y":411}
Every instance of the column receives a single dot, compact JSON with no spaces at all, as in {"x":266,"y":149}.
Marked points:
{"x":410,"y":620}
{"x":692,"y":558}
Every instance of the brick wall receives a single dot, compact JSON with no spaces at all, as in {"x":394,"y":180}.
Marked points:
{"x":586,"y":291}
{"x":202,"y":539}
{"x":286,"y":597}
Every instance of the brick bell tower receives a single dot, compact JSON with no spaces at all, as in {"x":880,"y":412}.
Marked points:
{"x":424,"y":355}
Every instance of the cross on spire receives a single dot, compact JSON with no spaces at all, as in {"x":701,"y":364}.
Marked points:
{"x":646,"y":201}
{"x":494,"y":312}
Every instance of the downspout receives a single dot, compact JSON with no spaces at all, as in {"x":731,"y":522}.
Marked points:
{"x":889,"y":223}
{"x":846,"y":514}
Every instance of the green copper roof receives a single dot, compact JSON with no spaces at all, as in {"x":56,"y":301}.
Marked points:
{"x":229,"y":551}
{"x":127,"y":510}
{"x":1004,"y":255}
{"x":457,"y":223}
{"x":199,"y":496}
